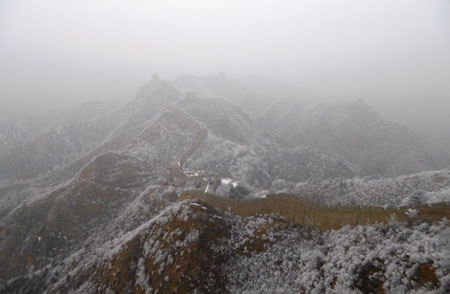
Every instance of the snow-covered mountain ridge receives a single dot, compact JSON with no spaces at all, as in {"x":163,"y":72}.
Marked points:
{"x":192,"y":247}
{"x":110,"y":216}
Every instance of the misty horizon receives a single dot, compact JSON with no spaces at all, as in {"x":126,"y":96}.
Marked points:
{"x":239,"y":146}
{"x":57,"y":54}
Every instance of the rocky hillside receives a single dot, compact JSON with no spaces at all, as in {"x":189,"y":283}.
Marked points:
{"x":193,"y":248}
{"x":355,"y":132}
{"x":415,"y":189}
{"x":94,"y":202}
{"x":43,"y":144}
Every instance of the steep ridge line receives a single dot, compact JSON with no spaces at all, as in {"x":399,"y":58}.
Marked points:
{"x":183,"y":116}
{"x":199,"y":137}
{"x":307,"y":213}
{"x":176,"y":169}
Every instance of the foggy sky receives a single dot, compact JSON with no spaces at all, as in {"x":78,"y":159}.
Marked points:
{"x":58,"y":52}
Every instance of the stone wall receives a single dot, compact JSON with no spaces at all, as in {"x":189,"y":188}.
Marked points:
{"x":308,"y":213}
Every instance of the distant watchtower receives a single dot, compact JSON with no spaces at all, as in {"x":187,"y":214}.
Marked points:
{"x":190,"y":96}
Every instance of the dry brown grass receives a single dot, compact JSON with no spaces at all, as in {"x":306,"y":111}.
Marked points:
{"x":426,"y":276}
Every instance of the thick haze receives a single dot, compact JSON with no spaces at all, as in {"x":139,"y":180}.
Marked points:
{"x":65,"y":52}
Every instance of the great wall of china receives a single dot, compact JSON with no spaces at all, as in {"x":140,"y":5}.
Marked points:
{"x":176,"y":172}
{"x":303,"y":212}
{"x":293,"y":208}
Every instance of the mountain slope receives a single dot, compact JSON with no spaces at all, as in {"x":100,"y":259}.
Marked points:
{"x":133,"y":213}
{"x":356,"y":133}
{"x":58,"y":142}
{"x":190,"y":247}
{"x":252,"y":93}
